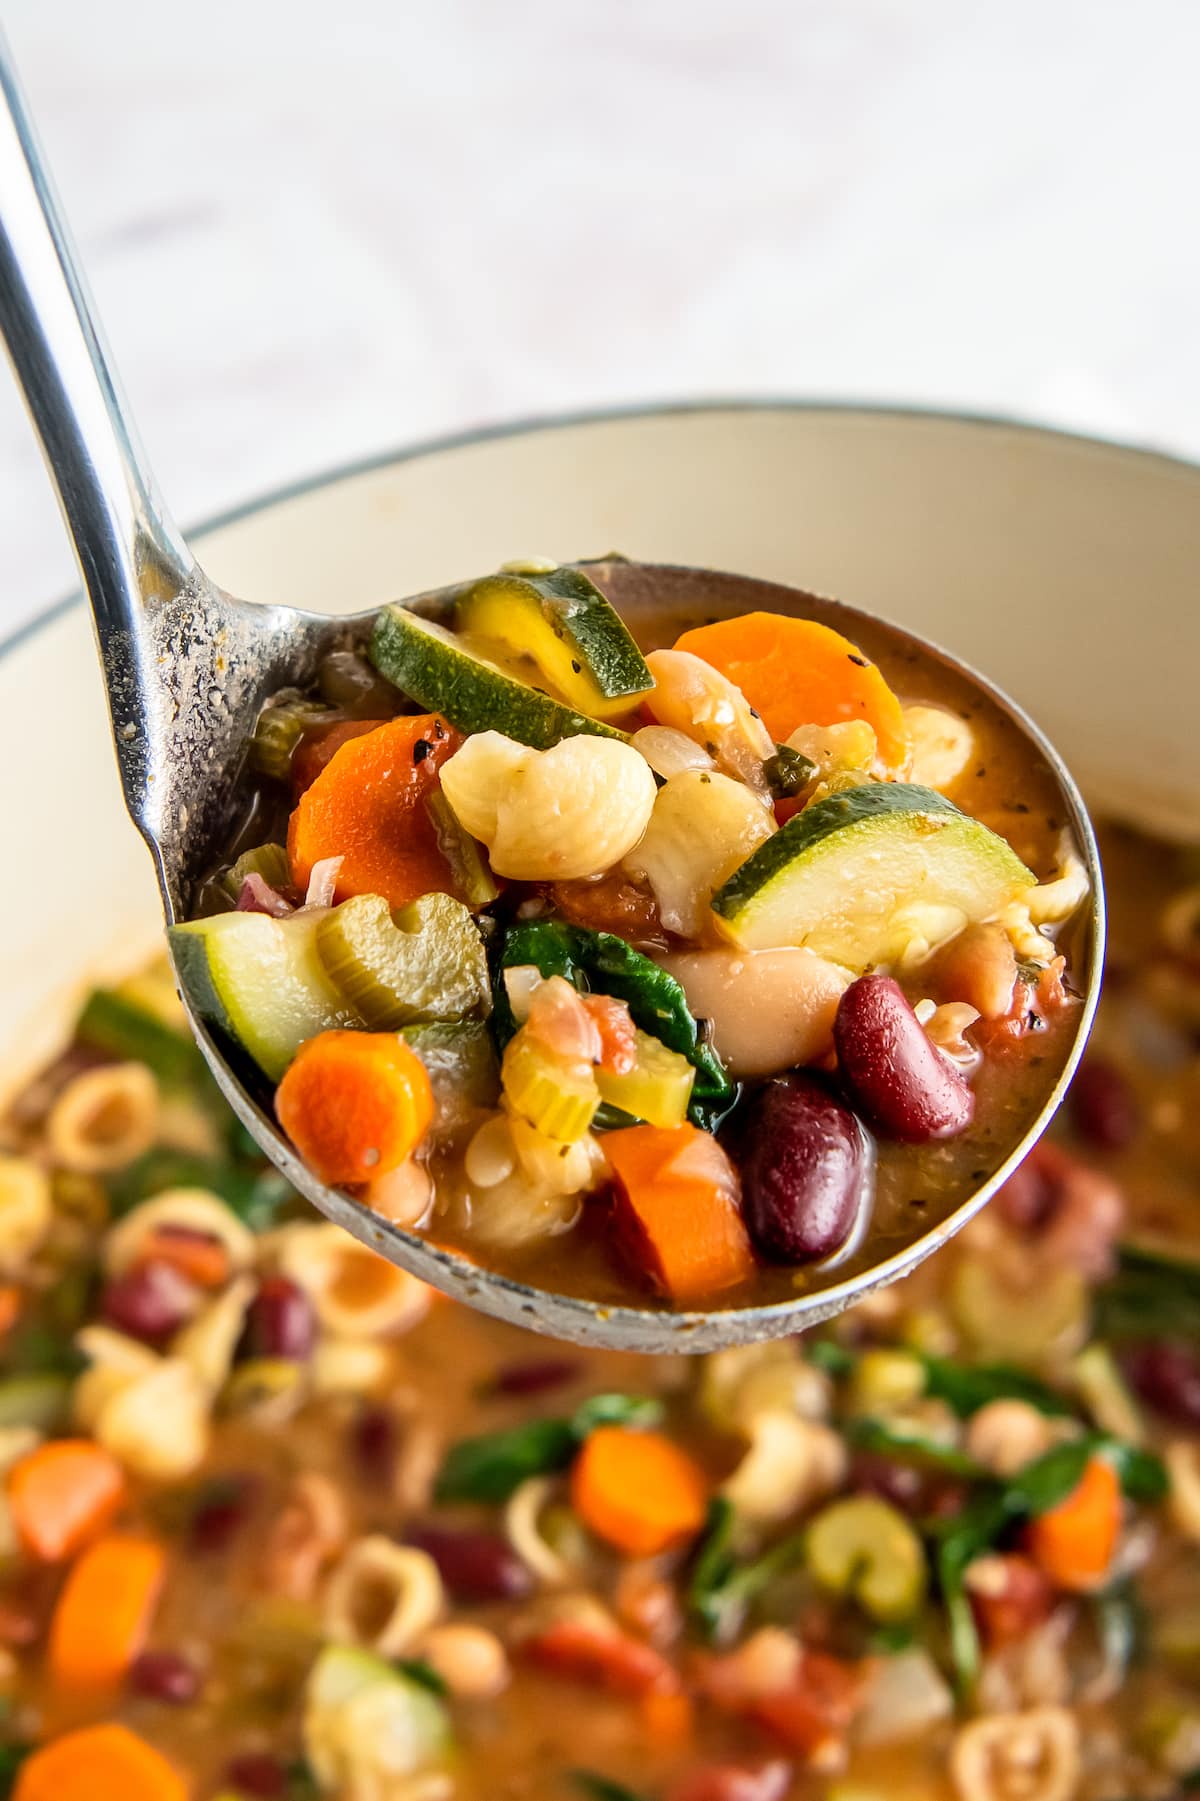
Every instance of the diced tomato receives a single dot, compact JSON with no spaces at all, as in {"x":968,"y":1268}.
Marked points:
{"x":611,"y":903}
{"x":1009,"y":1596}
{"x":581,"y":1652}
{"x":1035,"y":1006}
{"x":734,"y":1782}
{"x":618,"y":1045}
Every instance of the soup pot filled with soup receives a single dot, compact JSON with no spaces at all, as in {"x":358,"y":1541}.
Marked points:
{"x":280,"y":1521}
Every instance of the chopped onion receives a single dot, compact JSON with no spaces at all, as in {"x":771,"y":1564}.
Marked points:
{"x":323,"y":881}
{"x":669,"y":752}
{"x":258,"y":896}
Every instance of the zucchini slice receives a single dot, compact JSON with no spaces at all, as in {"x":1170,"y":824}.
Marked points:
{"x":857,"y":875}
{"x":442,"y":674}
{"x":563,"y":623}
{"x":261,"y":981}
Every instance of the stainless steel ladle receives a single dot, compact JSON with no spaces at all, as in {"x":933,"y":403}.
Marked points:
{"x":188,"y":668}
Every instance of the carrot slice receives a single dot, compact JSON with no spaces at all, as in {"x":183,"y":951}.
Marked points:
{"x":62,"y":1495}
{"x":98,"y":1763}
{"x":199,"y":1256}
{"x":367,"y":806}
{"x":638,"y":1490}
{"x":318,"y":747}
{"x":355,"y":1104}
{"x":676,"y":1198}
{"x":103,"y":1614}
{"x":1074,"y":1542}
{"x":798,"y":672}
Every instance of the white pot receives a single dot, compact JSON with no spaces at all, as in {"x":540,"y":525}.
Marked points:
{"x":1066,"y":569}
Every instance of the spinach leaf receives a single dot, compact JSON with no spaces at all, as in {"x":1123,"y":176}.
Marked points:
{"x":257,"y":1194}
{"x":826,"y":1354}
{"x":493,"y":1466}
{"x":1151,"y":1296}
{"x":907,"y":1447}
{"x":966,"y":1388}
{"x":602,"y":1788}
{"x":721,"y":1587}
{"x":415,"y":1669}
{"x":11,"y":1759}
{"x":1143,"y":1475}
{"x":602,"y":963}
{"x":113,"y":1023}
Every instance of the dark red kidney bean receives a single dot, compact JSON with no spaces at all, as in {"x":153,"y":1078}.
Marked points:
{"x":900,"y":1082}
{"x":375,"y":1441}
{"x":221,"y":1509}
{"x":165,"y":1676}
{"x":535,"y":1378}
{"x":257,"y":1774}
{"x":1167,"y":1377}
{"x":900,"y":1484}
{"x":475,"y":1566}
{"x":806,"y":1166}
{"x":1029,"y":1197}
{"x":1103,"y":1107}
{"x":149,"y":1301}
{"x":280,"y":1322}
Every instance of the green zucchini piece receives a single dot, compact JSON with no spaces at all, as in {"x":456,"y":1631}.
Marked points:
{"x":41,"y":1400}
{"x":425,"y":961}
{"x":460,"y":1060}
{"x":853,"y":876}
{"x":562,"y":622}
{"x":439,"y":672}
{"x":261,"y":981}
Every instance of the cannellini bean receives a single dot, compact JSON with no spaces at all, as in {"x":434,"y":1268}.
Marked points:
{"x":790,"y":1464}
{"x":157,"y":1424}
{"x":1006,"y":1435}
{"x":551,"y":815}
{"x":383,"y":1596}
{"x":697,"y":700}
{"x":768,"y":1010}
{"x":104,"y":1118}
{"x":26,"y":1210}
{"x":703,"y":827}
{"x":1182,"y":1459}
{"x":470,"y":1660}
{"x":943,"y":745}
{"x":356,"y":1292}
{"x":194,"y":1209}
{"x":1031,"y":1756}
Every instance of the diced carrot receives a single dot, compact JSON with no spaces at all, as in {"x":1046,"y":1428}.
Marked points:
{"x":676,"y":1211}
{"x":103,"y":1614}
{"x":98,"y":1763}
{"x":318,"y":747}
{"x":1074,"y":1542}
{"x":10,"y":1306}
{"x":638,"y":1490}
{"x":199,"y":1256}
{"x":367,"y":806}
{"x":668,"y":1717}
{"x":798,"y":672}
{"x":62,"y":1495}
{"x":582,"y":1652}
{"x":355,"y":1104}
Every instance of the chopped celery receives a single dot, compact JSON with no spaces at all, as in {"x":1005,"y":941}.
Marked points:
{"x":462,"y":853}
{"x":657,"y":1088}
{"x":557,"y":1097}
{"x":864,"y":1547}
{"x":41,"y":1400}
{"x":460,"y":1059}
{"x":280,"y":727}
{"x":425,"y":961}
{"x":116,"y":1022}
{"x":367,"y":1725}
{"x":270,"y":861}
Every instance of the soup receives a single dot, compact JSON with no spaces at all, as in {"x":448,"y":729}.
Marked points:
{"x":280,"y":1522}
{"x":694,"y":973}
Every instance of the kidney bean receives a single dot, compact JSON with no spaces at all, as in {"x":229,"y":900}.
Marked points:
{"x":1027,"y":1199}
{"x":257,"y":1774}
{"x":905,"y":1487}
{"x":475,"y":1566}
{"x":165,"y":1676}
{"x":535,"y":1378}
{"x":149,"y":1301}
{"x":1103,"y":1107}
{"x":806,"y":1166}
{"x":375,"y":1441}
{"x":901,"y":1083}
{"x":1009,"y":1596}
{"x":1167,"y":1377}
{"x":220,"y":1511}
{"x":280,"y":1322}
{"x":1074,"y":1212}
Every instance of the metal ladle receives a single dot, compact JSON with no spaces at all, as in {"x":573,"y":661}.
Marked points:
{"x":188,"y":668}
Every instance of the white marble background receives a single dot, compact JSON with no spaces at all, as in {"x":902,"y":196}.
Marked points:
{"x":317,"y":231}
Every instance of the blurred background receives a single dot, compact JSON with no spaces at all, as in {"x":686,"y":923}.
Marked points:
{"x":317,"y":232}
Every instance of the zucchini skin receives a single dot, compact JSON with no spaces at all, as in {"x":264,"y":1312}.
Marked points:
{"x":475,"y":696}
{"x":601,"y":660}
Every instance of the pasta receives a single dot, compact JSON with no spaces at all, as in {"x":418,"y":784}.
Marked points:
{"x":26,"y":1210}
{"x":383,"y":1596}
{"x":356,"y":1292}
{"x":703,"y":827}
{"x":104,"y":1118}
{"x":190,"y":1209}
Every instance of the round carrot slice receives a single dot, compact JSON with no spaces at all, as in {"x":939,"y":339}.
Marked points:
{"x":638,"y":1490}
{"x":799,"y":672}
{"x":355,"y":1104}
{"x":367,"y":806}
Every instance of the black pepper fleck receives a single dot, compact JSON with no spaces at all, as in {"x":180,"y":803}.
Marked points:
{"x":577,"y":667}
{"x":421,"y":750}
{"x":861,"y":661}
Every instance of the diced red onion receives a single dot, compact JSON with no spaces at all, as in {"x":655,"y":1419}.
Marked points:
{"x":258,"y":896}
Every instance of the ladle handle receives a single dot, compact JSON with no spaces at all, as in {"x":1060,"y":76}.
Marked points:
{"x":129,"y":550}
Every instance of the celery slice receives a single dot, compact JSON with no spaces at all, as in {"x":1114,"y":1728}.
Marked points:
{"x":559,"y":1099}
{"x":425,"y":961}
{"x":657,"y":1089}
